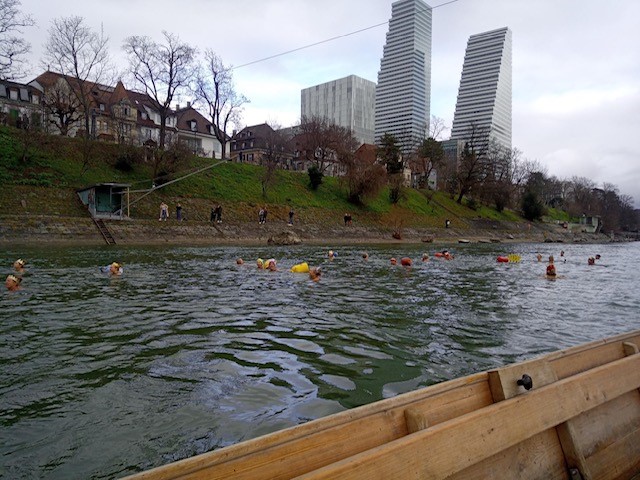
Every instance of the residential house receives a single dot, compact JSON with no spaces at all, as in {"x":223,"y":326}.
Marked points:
{"x":121,"y":115}
{"x":20,"y":105}
{"x":197,"y":132}
{"x":260,"y":144}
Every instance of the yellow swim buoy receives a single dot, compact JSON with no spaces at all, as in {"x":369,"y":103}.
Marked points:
{"x":300,"y":268}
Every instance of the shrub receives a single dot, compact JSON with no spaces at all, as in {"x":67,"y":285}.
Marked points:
{"x":315,"y":177}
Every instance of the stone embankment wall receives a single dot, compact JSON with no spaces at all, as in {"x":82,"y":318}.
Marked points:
{"x":38,"y":229}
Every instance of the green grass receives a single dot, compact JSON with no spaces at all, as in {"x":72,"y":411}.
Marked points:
{"x":53,"y":169}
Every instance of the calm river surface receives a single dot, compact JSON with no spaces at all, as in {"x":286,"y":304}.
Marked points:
{"x":186,"y":352}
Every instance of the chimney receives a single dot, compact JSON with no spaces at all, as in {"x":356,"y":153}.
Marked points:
{"x":177,"y":106}
{"x":188,"y":104}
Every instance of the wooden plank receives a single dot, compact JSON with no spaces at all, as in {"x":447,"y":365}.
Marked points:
{"x":504,"y":381}
{"x":296,"y":450}
{"x":537,"y":458}
{"x":630,"y":348}
{"x":602,"y":425}
{"x":450,"y":447}
{"x":597,"y":434}
{"x":619,"y":460}
{"x":583,"y":357}
{"x":572,"y":451}
{"x":440,"y":408}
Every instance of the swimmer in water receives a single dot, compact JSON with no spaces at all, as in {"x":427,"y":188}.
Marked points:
{"x":365,"y":256}
{"x":115,"y":269}
{"x":12,"y":283}
{"x":18,"y":265}
{"x":393,"y":261}
{"x":260,"y":264}
{"x":425,"y":257}
{"x":270,"y":265}
{"x":314,"y":274}
{"x":239,"y":261}
{"x":551,"y":268}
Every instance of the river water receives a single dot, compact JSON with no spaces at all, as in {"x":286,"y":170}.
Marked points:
{"x":187,"y":352}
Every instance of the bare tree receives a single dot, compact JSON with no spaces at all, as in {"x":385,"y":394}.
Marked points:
{"x":82,"y":56}
{"x":214,"y":85}
{"x":62,"y":106}
{"x":274,"y":154}
{"x":437,"y":127}
{"x":13,"y":47}
{"x":162,"y":70}
{"x":471,"y":167}
{"x":428,"y":157}
{"x":364,"y":177}
{"x":322,"y":142}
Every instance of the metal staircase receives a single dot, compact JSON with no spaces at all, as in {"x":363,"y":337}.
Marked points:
{"x":106,"y":234}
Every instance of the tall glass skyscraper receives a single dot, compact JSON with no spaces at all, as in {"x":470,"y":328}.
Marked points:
{"x":403,"y":94}
{"x":348,"y":102}
{"x":483,"y":108}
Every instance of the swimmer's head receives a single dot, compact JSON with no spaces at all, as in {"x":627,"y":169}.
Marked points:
{"x":260,"y":263}
{"x":270,"y":265}
{"x":19,"y":264}
{"x":425,"y":257}
{"x":393,"y":261}
{"x":365,"y":255}
{"x":239,"y":261}
{"x":314,"y":274}
{"x":115,"y":268}
{"x":12,"y":282}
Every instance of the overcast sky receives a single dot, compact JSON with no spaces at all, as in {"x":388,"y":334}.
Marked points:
{"x":576,"y":63}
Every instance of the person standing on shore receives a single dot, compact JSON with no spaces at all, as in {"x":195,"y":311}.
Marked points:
{"x":164,"y":212}
{"x":291,"y":213}
{"x":261,"y":216}
{"x":179,"y":212}
{"x":219,"y":213}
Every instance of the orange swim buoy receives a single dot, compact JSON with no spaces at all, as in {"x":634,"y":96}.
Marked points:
{"x":406,"y":261}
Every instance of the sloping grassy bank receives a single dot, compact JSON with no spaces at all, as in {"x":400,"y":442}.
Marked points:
{"x":40,"y":173}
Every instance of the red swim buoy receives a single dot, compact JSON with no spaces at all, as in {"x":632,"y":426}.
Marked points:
{"x":502,"y":259}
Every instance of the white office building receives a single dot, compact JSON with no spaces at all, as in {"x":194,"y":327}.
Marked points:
{"x":403,"y":95}
{"x":348,"y":102}
{"x":483,"y":108}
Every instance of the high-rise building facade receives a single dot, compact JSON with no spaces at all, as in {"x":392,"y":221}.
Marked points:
{"x":403,"y":95}
{"x":348,"y":102}
{"x":483,"y":108}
